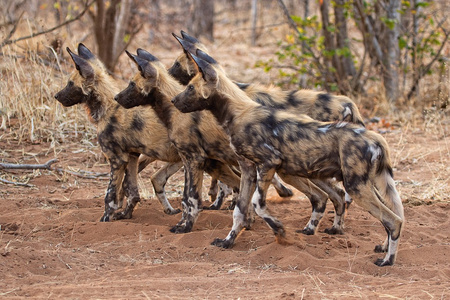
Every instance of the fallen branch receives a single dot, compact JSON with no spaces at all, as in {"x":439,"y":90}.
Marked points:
{"x":48,"y":166}
{"x":16,"y":183}
{"x":45,"y":166}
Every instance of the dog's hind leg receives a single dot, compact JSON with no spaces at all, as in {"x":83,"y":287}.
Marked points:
{"x":369,"y":198}
{"x":337,"y":197}
{"x":159,"y":180}
{"x":316,"y":196}
{"x":264,"y":178}
{"x":130,"y":188}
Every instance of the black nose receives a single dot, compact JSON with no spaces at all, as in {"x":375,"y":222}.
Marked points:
{"x":56,"y":95}
{"x":115,"y":97}
{"x":173,"y":100}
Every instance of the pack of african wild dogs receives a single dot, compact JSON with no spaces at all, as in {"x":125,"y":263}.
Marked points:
{"x":246,"y":136}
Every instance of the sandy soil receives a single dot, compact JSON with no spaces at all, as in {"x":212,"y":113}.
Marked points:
{"x":52,"y":245}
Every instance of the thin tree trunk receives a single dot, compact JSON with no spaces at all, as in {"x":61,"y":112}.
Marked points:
{"x":202,"y":21}
{"x":370,"y":36}
{"x":111,"y":24}
{"x":415,"y":42}
{"x":330,"y":45}
{"x":254,"y":13}
{"x":342,"y":41}
{"x":391,"y":52}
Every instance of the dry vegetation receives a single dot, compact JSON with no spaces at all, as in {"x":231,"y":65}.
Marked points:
{"x":36,"y":128}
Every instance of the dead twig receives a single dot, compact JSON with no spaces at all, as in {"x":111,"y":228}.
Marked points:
{"x":45,"y":166}
{"x":48,"y":166}
{"x":16,"y":183}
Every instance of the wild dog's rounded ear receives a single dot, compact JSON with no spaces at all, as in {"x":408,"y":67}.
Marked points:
{"x":130,"y":55}
{"x":146,"y":55}
{"x":84,"y":52}
{"x":189,"y":38}
{"x":205,"y":68}
{"x":187,"y":46}
{"x":84,"y":68}
{"x":144,"y":66}
{"x":203,"y":55}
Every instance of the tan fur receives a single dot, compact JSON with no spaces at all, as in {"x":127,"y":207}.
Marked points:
{"x":122,"y":134}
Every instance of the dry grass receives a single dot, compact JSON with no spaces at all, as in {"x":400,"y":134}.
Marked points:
{"x":28,"y":108}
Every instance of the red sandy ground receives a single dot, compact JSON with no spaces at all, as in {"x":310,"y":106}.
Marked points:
{"x":52,"y":244}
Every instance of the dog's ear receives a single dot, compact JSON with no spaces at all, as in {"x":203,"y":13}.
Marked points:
{"x":84,"y":52}
{"x":203,"y":55}
{"x":208,"y":72}
{"x":144,"y":66}
{"x":189,"y":38}
{"x":82,"y":65}
{"x":146,"y":55}
{"x":187,"y":46}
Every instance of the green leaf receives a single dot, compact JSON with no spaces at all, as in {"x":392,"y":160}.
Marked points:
{"x":402,"y":43}
{"x":422,"y":4}
{"x":390,"y":23}
{"x":297,"y":19}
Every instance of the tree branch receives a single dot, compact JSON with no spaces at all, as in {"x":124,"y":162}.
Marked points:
{"x":293,"y":25}
{"x":48,"y":166}
{"x":7,"y":41}
{"x":45,"y":166}
{"x":16,"y":183}
{"x":428,"y":66}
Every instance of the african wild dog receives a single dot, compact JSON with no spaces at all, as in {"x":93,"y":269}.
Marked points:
{"x":297,"y":146}
{"x":320,"y":106}
{"x":122,"y":134}
{"x":198,"y":136}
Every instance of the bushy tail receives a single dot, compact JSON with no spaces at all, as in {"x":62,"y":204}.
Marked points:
{"x":384,"y":180}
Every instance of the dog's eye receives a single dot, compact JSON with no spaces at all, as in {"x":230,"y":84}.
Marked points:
{"x":70,"y":83}
{"x":132,"y":84}
{"x":177,"y":64}
{"x":190,"y":87}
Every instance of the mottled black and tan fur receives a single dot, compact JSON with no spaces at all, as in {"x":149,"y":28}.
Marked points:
{"x":296,"y":146}
{"x":197,"y":136}
{"x":122,"y":134}
{"x":318,"y":105}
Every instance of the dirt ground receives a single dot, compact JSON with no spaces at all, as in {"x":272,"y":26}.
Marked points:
{"x":53,"y":246}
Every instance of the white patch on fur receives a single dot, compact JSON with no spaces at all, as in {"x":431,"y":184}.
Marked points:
{"x":348,"y":199}
{"x":376,"y":152}
{"x":112,"y":205}
{"x":347,"y":112}
{"x":324,"y":129}
{"x":275,"y":132}
{"x":359,"y":130}
{"x":225,"y":188}
{"x":269,"y":147}
{"x":341,"y":124}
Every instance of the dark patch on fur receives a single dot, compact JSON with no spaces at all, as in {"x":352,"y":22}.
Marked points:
{"x":177,"y":72}
{"x":292,"y":100}
{"x":137,"y":123}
